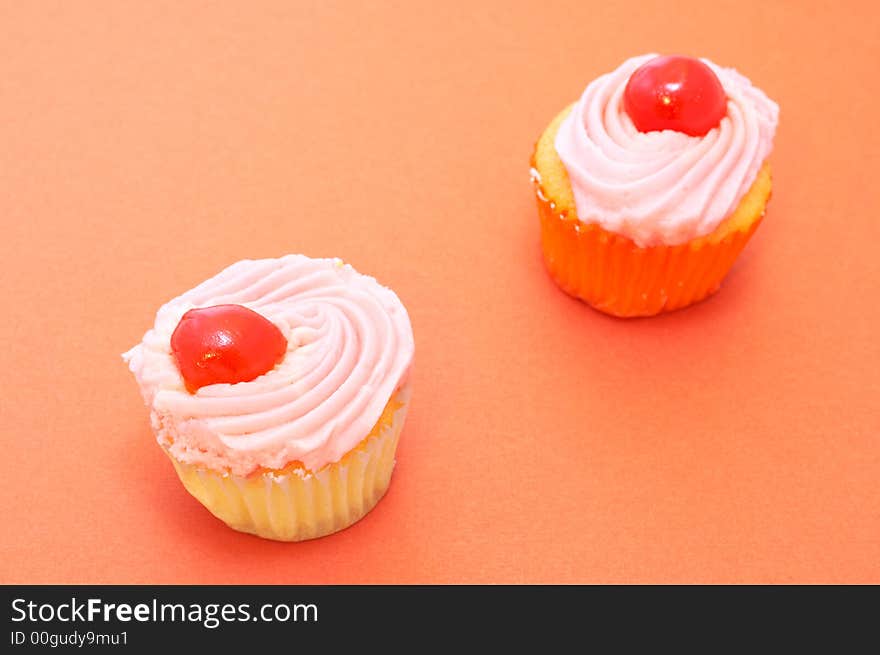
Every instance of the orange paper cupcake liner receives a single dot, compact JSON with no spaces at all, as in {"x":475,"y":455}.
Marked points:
{"x":616,"y":276}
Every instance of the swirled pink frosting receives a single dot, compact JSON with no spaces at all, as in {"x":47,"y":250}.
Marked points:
{"x":349,"y":348}
{"x":662,"y":187}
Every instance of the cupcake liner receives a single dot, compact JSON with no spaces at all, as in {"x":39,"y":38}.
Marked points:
{"x":614,"y":275}
{"x":294,"y":504}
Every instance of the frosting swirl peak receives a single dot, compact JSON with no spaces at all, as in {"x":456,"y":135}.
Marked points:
{"x":349,"y":348}
{"x":662,"y":187}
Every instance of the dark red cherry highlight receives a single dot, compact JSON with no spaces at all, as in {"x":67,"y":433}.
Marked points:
{"x":225,"y":343}
{"x":674,"y":92}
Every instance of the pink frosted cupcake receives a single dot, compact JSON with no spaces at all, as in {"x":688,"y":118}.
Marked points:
{"x":651,"y":184}
{"x":278,"y":388}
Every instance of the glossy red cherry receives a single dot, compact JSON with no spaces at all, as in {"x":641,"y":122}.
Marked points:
{"x":225,"y":343}
{"x":675,"y":93}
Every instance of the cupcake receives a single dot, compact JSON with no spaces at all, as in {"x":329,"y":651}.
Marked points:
{"x":650,"y":185}
{"x":278,"y":389}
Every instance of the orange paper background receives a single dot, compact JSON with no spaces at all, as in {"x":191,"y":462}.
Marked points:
{"x":144,"y":146}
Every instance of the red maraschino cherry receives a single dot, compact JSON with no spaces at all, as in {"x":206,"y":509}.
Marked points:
{"x":225,"y":343}
{"x":673,"y":92}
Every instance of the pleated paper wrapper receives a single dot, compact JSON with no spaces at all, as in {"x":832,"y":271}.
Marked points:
{"x":294,"y":504}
